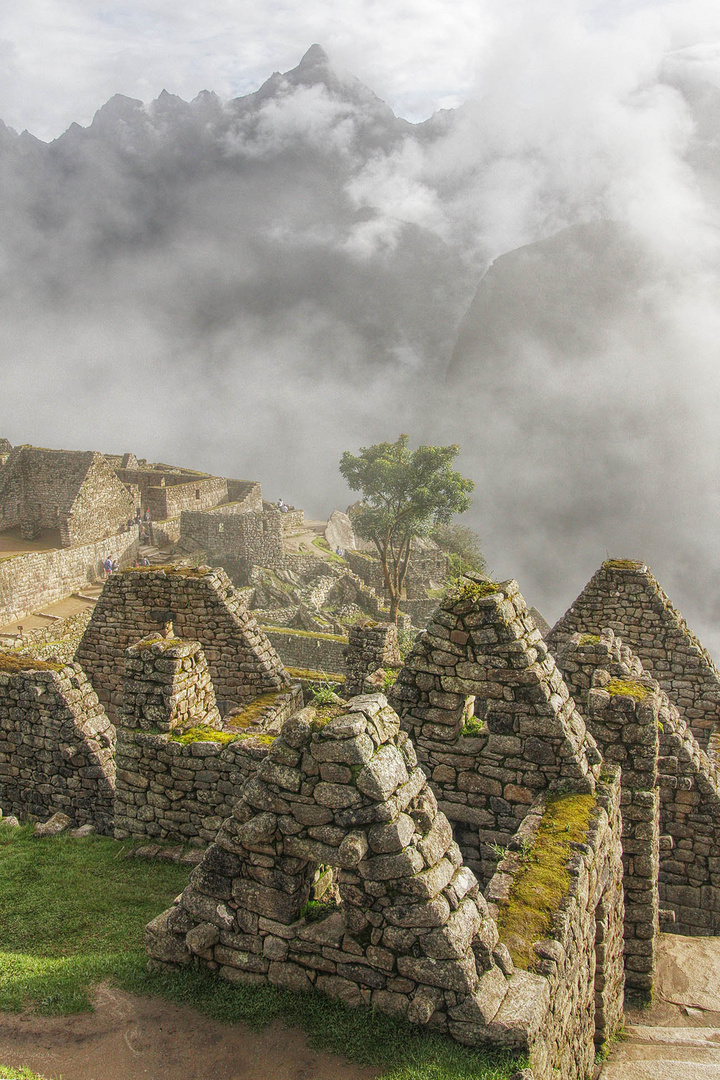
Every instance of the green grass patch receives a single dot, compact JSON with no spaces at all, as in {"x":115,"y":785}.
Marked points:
{"x":543,"y":880}
{"x":254,"y":710}
{"x":13,"y":663}
{"x":72,"y":914}
{"x":321,"y":543}
{"x":468,"y":589}
{"x":627,"y":688}
{"x":303,"y":633}
{"x":6,"y":1073}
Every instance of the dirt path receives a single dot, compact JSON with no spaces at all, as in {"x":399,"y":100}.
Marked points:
{"x":133,"y":1038}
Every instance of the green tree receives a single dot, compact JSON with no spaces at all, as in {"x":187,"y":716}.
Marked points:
{"x":462,"y":545}
{"x":404,"y":494}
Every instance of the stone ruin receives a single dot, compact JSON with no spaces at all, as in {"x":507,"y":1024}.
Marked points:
{"x":414,"y":936}
{"x":428,"y":818}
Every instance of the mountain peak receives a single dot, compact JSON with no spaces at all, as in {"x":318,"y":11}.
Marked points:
{"x":314,"y":57}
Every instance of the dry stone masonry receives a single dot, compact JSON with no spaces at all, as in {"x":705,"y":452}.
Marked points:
{"x":180,"y":771}
{"x":203,"y":606}
{"x":490,"y":716}
{"x":371,"y":646}
{"x":56,"y":744}
{"x":689,"y":788}
{"x":625,"y":596}
{"x":413,"y":936}
{"x":580,"y":952}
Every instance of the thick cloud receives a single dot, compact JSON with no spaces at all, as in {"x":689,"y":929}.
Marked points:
{"x":253,"y":286}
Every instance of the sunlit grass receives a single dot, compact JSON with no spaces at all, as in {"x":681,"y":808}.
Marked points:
{"x":73,"y":912}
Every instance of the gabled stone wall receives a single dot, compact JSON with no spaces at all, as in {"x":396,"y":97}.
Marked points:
{"x":56,"y":744}
{"x":689,"y":788}
{"x":625,"y":596}
{"x":74,"y":492}
{"x":413,"y":936}
{"x":490,"y":716}
{"x":203,"y":606}
{"x":182,"y":790}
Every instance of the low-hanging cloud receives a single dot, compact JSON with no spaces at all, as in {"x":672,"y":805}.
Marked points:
{"x":253,"y":287}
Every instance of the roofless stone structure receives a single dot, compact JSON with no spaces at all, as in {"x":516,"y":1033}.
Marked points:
{"x":414,"y":937}
{"x":625,"y":596}
{"x":490,"y":716}
{"x":202,"y":605}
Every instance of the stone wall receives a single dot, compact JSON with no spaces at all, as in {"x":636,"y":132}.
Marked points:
{"x":235,"y":540}
{"x":246,"y":495}
{"x":623,"y":715}
{"x":370,"y":646}
{"x":689,"y":788}
{"x":491,"y":718}
{"x":101,"y":508}
{"x":301,"y":649}
{"x":179,"y":774}
{"x":204,"y":607}
{"x":74,"y":492}
{"x":56,"y":744}
{"x":579,"y":952}
{"x":200,"y":494}
{"x":413,"y":936}
{"x":624,"y":596}
{"x":29,"y":582}
{"x":166,"y":533}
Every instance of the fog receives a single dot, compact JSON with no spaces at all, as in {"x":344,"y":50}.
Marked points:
{"x":253,"y":286}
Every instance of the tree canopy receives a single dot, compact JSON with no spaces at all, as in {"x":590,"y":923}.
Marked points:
{"x":404,"y":495}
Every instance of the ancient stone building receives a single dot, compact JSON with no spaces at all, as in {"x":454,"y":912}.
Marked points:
{"x":413,"y":935}
{"x":625,"y":596}
{"x":57,"y":747}
{"x":490,"y":716}
{"x":75,"y":494}
{"x":202,"y":606}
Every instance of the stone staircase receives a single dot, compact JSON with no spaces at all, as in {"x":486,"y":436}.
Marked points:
{"x":154,"y":555}
{"x":678,"y":1037}
{"x":665,"y":1053}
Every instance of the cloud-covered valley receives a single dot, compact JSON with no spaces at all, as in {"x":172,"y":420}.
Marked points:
{"x":254,"y":285}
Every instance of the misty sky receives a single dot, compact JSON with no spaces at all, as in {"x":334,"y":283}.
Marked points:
{"x":214,"y":298}
{"x":61,"y":59}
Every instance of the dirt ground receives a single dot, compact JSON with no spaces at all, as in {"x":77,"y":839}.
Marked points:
{"x":132,"y":1038}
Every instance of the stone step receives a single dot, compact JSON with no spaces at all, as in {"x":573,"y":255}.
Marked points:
{"x":659,"y":1069}
{"x":705,"y":1037}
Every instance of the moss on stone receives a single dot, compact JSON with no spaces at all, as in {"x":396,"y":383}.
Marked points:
{"x":627,"y":688}
{"x":622,"y":564}
{"x":265,"y":739}
{"x":543,"y":880}
{"x":589,"y":639}
{"x":203,"y":734}
{"x":252,"y":712}
{"x":468,"y":589}
{"x":315,"y":676}
{"x":12,"y":663}
{"x":324,"y":714}
{"x":168,"y":568}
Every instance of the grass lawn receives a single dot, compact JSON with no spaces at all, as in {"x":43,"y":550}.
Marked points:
{"x":72,"y":914}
